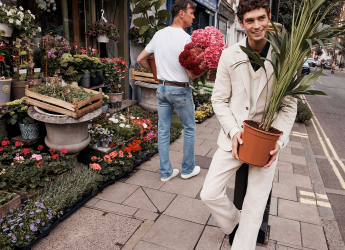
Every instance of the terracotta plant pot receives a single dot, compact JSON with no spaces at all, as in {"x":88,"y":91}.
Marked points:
{"x":18,"y":89}
{"x":153,"y":67}
{"x":115,"y":97}
{"x":257,"y":145}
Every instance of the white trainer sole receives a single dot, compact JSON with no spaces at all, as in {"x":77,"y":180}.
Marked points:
{"x":195,"y":172}
{"x":174,"y":174}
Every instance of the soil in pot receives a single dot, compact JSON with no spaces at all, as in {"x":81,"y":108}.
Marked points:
{"x":257,"y":144}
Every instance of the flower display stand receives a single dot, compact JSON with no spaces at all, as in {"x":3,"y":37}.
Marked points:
{"x":64,"y":131}
{"x":148,"y":99}
{"x":75,"y":110}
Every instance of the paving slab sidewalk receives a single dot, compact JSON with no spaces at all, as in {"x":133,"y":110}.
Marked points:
{"x":142,"y":213}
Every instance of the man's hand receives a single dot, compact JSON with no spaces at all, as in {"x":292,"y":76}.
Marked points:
{"x":273,"y":154}
{"x":193,"y":76}
{"x":237,"y":139}
{"x":143,"y":60}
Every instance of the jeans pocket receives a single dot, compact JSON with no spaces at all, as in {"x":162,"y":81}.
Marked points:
{"x":159,"y":97}
{"x":178,"y":99}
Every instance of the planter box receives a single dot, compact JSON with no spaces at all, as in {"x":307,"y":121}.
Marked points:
{"x":75,"y":109}
{"x":144,"y":77}
{"x":11,"y":205}
{"x":26,"y":195}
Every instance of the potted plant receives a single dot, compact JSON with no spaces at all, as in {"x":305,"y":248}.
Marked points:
{"x":5,"y":80}
{"x":52,"y":48}
{"x":103,"y":31}
{"x":288,"y":53}
{"x":75,"y":67}
{"x":17,"y":111}
{"x":106,"y":102}
{"x":134,"y":35}
{"x":114,"y":71}
{"x":150,"y":24}
{"x":8,"y":201}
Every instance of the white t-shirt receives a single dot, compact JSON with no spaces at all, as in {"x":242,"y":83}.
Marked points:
{"x":167,"y":44}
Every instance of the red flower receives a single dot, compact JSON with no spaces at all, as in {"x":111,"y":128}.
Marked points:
{"x":128,"y":150}
{"x":189,"y":46}
{"x":15,"y":57}
{"x":2,"y":58}
{"x":5,"y":143}
{"x":26,"y":151}
{"x":52,"y":151}
{"x":64,"y":151}
{"x":1,"y":149}
{"x":18,"y":144}
{"x":196,"y":70}
{"x":93,"y":158}
{"x":145,"y":138}
{"x":55,"y":156}
{"x":39,"y":163}
{"x":40,"y":147}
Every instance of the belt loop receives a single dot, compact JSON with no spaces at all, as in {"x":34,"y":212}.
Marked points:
{"x":163,"y":83}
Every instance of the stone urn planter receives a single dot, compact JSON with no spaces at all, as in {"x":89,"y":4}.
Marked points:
{"x":5,"y":90}
{"x":148,"y":100}
{"x":64,"y":131}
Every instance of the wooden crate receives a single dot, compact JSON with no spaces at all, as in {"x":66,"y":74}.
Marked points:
{"x":75,"y":109}
{"x":144,"y":77}
{"x":11,"y":205}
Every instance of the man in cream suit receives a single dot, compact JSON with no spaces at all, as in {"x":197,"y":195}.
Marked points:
{"x":239,"y":94}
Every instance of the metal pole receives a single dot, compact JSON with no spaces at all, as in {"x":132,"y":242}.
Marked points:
{"x":275,"y":10}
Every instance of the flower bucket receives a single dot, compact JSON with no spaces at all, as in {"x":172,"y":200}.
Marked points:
{"x":152,"y":63}
{"x":104,"y":109}
{"x":98,"y":80}
{"x":102,"y":39}
{"x":7,"y":29}
{"x":85,"y":81}
{"x":115,"y":97}
{"x":257,"y":145}
{"x":30,"y":131}
{"x":5,"y":90}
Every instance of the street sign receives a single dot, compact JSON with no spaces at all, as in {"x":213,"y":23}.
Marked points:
{"x":211,"y":4}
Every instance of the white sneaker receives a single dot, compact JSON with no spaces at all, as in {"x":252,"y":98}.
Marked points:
{"x":195,"y":172}
{"x":174,"y":174}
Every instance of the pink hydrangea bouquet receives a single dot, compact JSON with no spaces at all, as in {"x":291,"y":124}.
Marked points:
{"x":204,"y":52}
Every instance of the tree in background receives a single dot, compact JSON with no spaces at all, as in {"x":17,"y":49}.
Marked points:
{"x":286,"y":9}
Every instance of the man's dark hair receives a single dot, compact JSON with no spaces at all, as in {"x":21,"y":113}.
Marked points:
{"x":181,"y":5}
{"x":245,"y":6}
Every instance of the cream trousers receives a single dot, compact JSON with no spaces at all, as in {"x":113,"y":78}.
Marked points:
{"x":213,"y":194}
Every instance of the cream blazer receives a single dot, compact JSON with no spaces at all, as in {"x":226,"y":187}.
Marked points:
{"x":231,"y":97}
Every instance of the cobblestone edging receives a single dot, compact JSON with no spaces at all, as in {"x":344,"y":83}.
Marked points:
{"x":328,"y":221}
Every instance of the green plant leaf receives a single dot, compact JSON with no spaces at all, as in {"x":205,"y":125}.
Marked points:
{"x":140,"y":22}
{"x":159,"y":4}
{"x":317,"y":92}
{"x":143,"y":29}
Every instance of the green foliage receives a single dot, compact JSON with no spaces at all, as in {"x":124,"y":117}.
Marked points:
{"x":288,"y":53}
{"x":304,"y":113}
{"x":18,"y":112}
{"x":65,"y":93}
{"x":73,"y":67}
{"x":105,"y":99}
{"x":31,"y":168}
{"x":149,"y":25}
{"x":113,"y":72}
{"x":5,"y":197}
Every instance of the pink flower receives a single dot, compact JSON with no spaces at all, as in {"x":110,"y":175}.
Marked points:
{"x":36,"y":157}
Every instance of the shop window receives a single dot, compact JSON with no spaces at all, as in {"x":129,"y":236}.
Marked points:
{"x":222,"y":26}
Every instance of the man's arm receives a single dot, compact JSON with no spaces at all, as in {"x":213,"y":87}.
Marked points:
{"x":143,"y":60}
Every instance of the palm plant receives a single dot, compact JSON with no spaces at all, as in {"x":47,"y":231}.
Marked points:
{"x":288,"y":53}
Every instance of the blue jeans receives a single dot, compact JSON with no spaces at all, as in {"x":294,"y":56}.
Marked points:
{"x":180,"y":99}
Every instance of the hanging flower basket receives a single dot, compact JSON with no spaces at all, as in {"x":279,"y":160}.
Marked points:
{"x":102,"y":39}
{"x":7,"y":29}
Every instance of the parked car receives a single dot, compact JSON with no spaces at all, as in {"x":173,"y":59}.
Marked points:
{"x":328,"y":64}
{"x":306,"y":68}
{"x":311,"y":62}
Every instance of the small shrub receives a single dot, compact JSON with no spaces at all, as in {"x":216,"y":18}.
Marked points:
{"x":304,"y":113}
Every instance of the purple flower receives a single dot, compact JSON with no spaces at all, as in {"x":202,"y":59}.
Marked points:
{"x":38,"y":221}
{"x":27,"y":236}
{"x":12,"y":227}
{"x":33,"y":228}
{"x":38,"y":210}
{"x":43,"y":223}
{"x":14,"y":239}
{"x":5,"y":229}
{"x":21,"y":224}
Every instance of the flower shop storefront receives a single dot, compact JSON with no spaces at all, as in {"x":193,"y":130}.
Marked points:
{"x":72,"y":20}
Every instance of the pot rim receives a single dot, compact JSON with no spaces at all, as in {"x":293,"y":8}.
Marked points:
{"x":261,"y":131}
{"x":6,"y":80}
{"x":115,"y":93}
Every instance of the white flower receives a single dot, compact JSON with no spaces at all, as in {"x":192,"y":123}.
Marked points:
{"x":122,"y":125}
{"x":132,"y":117}
{"x":144,"y":125}
{"x":29,"y":11}
{"x":138,"y":117}
{"x":127,"y":126}
{"x":33,"y":17}
{"x":54,"y":8}
{"x":39,"y":29}
{"x":18,"y":22}
{"x":0,"y":4}
{"x":9,"y":13}
{"x":114,"y":120}
{"x":12,"y":11}
{"x":10,"y":20}
{"x":21,"y":8}
{"x":20,"y":13}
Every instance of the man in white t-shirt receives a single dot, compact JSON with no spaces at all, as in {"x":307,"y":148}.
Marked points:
{"x":173,"y":92}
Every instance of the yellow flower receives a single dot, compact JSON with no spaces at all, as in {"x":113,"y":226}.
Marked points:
{"x":12,"y":113}
{"x":24,"y":108}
